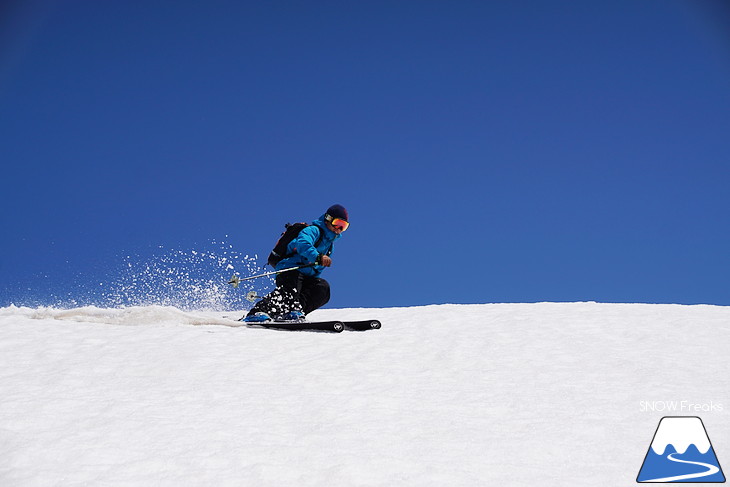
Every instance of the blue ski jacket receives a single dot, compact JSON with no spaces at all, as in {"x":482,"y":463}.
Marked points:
{"x":304,"y":251}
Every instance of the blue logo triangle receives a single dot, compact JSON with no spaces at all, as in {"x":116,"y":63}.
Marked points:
{"x":681,"y":452}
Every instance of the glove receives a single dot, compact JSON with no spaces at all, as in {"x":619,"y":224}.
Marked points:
{"x":324,"y":260}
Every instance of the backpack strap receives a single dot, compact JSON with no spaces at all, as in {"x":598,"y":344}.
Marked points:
{"x":319,"y":240}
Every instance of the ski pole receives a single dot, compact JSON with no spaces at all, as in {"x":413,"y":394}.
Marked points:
{"x":235,"y":280}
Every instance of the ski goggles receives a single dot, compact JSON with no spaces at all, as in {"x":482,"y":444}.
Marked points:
{"x":340,"y":224}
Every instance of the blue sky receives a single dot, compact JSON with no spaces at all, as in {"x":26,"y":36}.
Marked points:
{"x":487,"y":151}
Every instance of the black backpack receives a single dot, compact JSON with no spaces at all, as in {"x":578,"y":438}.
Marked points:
{"x":292,"y":231}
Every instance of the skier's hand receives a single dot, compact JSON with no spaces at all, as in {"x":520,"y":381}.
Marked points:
{"x":324,"y":260}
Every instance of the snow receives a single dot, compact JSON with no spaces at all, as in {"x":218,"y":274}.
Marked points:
{"x":494,"y":394}
{"x":681,"y":432}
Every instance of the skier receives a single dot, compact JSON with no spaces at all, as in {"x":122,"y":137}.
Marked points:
{"x":301,"y":291}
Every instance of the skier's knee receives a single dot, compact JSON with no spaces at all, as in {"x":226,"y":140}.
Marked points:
{"x":324,"y":289}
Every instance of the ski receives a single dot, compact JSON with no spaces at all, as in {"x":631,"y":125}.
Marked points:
{"x":362,"y":325}
{"x":330,"y":326}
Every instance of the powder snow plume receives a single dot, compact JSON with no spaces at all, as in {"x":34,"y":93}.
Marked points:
{"x":185,"y":279}
{"x":192,"y":279}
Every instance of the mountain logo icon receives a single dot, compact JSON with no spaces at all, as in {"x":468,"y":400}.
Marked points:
{"x":681,"y":452}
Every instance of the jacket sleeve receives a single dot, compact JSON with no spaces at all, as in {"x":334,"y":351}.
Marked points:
{"x":304,"y":244}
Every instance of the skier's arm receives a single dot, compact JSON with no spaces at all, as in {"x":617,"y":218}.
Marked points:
{"x":304,"y":244}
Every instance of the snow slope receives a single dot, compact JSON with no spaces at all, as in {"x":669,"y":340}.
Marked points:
{"x":496,"y":394}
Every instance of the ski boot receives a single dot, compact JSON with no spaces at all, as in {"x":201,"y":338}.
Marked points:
{"x":258,"y":317}
{"x":293,"y":316}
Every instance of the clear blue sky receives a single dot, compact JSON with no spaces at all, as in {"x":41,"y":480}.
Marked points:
{"x":487,"y":151}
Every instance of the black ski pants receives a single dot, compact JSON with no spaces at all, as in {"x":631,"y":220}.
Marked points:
{"x":294,"y":291}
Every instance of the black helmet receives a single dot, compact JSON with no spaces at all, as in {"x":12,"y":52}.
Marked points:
{"x":336,"y":211}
